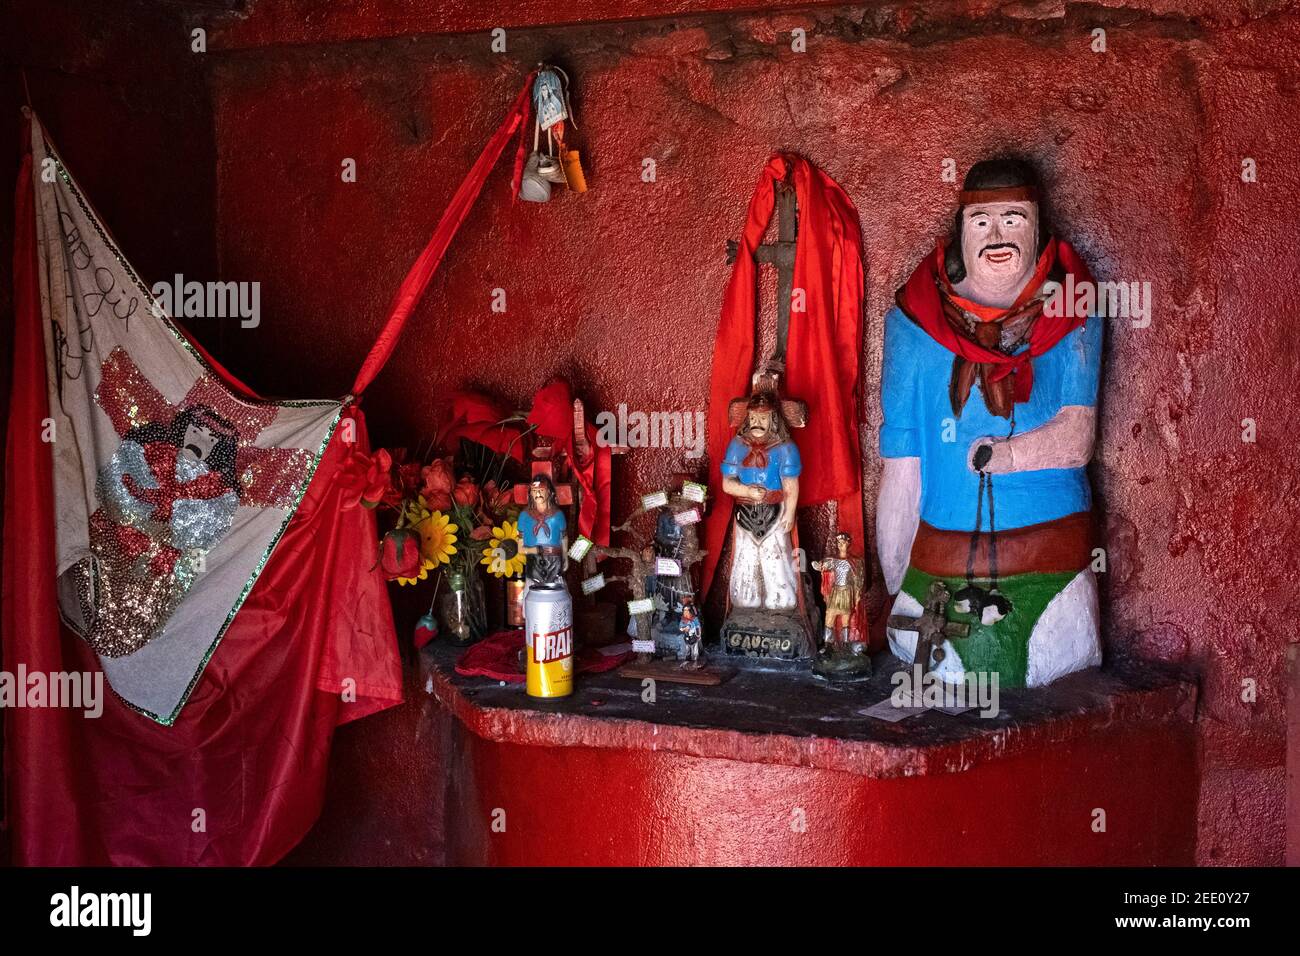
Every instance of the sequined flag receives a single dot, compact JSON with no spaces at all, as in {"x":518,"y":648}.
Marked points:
{"x":170,"y":489}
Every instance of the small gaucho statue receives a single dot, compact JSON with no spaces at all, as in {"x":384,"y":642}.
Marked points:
{"x":542,"y":529}
{"x":844,"y":650}
{"x":760,"y":470}
{"x":989,"y":393}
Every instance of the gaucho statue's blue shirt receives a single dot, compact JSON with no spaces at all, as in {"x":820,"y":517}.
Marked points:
{"x":782,"y":462}
{"x":547,"y":533}
{"x":918,"y":417}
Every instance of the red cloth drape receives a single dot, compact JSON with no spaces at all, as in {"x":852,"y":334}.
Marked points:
{"x":417,"y":279}
{"x":823,"y":353}
{"x":250,"y":747}
{"x":552,"y":413}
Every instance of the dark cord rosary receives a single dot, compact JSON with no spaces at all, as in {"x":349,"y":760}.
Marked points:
{"x":973,"y":599}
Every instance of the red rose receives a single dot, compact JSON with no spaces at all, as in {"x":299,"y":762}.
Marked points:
{"x":408,"y":475}
{"x":466,"y":492}
{"x":437,"y":478}
{"x":366,"y":479}
{"x":399,"y":554}
{"x":494,"y":498}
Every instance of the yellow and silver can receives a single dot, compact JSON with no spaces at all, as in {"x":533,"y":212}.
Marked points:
{"x":548,"y":641}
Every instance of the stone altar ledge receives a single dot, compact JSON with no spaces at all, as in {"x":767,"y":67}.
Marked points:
{"x":797,"y":719}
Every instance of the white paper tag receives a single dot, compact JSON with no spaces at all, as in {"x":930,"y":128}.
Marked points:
{"x":593,"y":584}
{"x":643,"y":647}
{"x":641,"y":606}
{"x":886,"y":710}
{"x":667,"y":566}
{"x":694,"y":491}
{"x":690,"y":516}
{"x":578,"y":550}
{"x":656,"y":500}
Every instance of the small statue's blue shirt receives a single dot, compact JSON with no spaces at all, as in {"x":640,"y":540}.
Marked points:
{"x":782,"y":462}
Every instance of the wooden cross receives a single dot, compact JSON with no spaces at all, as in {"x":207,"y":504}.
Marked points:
{"x":932,"y":627}
{"x":544,"y":463}
{"x":780,"y":255}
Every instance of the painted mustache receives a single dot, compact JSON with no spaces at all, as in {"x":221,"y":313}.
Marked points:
{"x":999,"y":251}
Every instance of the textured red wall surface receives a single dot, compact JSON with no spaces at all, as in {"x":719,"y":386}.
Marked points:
{"x":1141,"y":148}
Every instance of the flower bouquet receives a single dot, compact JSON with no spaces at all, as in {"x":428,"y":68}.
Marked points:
{"x":445,"y":526}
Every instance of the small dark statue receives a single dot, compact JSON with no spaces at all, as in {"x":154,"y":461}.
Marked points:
{"x":692,"y":634}
{"x":671,"y":592}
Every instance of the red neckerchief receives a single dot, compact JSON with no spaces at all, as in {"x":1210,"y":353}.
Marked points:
{"x":540,"y":528}
{"x":161,"y":458}
{"x":756,"y":457}
{"x":920,"y":300}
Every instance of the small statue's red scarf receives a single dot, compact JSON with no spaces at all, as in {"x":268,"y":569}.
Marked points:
{"x":756,"y":457}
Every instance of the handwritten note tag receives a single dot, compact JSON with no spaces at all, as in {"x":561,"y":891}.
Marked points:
{"x":593,"y":584}
{"x":694,"y":491}
{"x":667,"y":566}
{"x":641,"y":606}
{"x":656,"y":500}
{"x":643,"y":647}
{"x":690,"y":516}
{"x":578,"y":550}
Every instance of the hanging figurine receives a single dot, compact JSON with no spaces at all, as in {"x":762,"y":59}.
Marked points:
{"x":559,"y":165}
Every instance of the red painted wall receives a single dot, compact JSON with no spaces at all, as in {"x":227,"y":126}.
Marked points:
{"x":619,"y":289}
{"x":585,"y":806}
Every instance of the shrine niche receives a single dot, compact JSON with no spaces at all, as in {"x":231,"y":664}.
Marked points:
{"x":984,"y":512}
{"x":902,"y":574}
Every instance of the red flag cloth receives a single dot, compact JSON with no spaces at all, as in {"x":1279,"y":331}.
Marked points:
{"x":823,"y":353}
{"x":552,"y":413}
{"x":919,"y":299}
{"x":313,"y":646}
{"x":417,"y":279}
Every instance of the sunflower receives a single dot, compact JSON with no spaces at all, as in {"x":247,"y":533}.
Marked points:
{"x":437,"y":537}
{"x":504,"y":555}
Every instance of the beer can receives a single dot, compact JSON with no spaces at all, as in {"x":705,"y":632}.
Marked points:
{"x":548,"y":642}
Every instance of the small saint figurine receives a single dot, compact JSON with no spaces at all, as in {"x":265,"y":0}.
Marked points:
{"x":844,"y":652}
{"x":989,"y":393}
{"x":692,"y":634}
{"x":542,"y":528}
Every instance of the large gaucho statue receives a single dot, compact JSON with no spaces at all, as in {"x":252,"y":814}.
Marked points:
{"x":989,"y":392}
